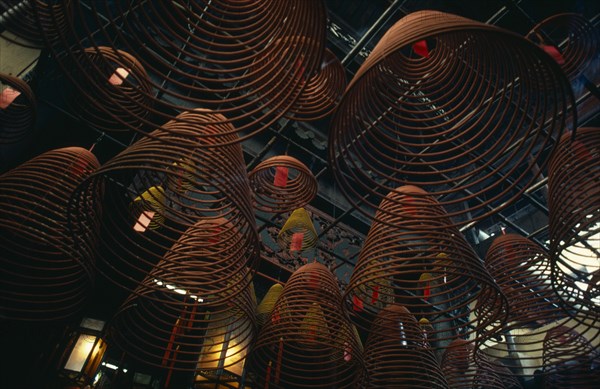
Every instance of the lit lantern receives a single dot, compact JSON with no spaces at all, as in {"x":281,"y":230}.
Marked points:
{"x":84,"y":352}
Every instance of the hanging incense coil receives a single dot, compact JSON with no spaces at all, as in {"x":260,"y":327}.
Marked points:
{"x":561,"y":347}
{"x":144,"y":223}
{"x":17,"y":109}
{"x":298,"y":233}
{"x":264,"y":309}
{"x":112,"y":89}
{"x":196,"y":301}
{"x":400,"y":249}
{"x":574,"y":222}
{"x":248,"y":60}
{"x":570,"y":38}
{"x":322,"y":91}
{"x":397,"y":353}
{"x":425,"y":109}
{"x":462,"y":372}
{"x":39,"y":23}
{"x":308,"y":341}
{"x":44,"y":275}
{"x":282,"y":184}
{"x":522,"y":270}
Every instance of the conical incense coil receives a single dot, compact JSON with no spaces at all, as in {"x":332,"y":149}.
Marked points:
{"x":394,"y":258}
{"x":298,"y":233}
{"x":462,"y":372}
{"x":218,"y":190}
{"x":45,"y":276}
{"x":574,"y":222}
{"x":17,"y":109}
{"x":435,"y":105}
{"x":308,"y":341}
{"x":397,"y":354}
{"x":248,"y":60}
{"x":264,"y":309}
{"x":282,"y":184}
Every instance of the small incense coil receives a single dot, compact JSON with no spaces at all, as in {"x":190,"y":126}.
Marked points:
{"x":399,"y":250}
{"x":308,"y":341}
{"x":397,"y":353}
{"x":17,"y":109}
{"x":112,"y":89}
{"x":264,"y":309}
{"x":298,"y":233}
{"x":282,"y":184}
{"x":183,"y":310}
{"x":574,"y":223}
{"x":45,"y":276}
{"x":575,"y":39}
{"x":462,"y":372}
{"x":322,"y":92}
{"x":39,"y":23}
{"x":425,"y":109}
{"x":143,"y":225}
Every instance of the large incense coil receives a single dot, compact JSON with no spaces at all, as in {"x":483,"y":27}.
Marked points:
{"x":37,"y":23}
{"x":308,"y":341}
{"x":447,"y":119}
{"x":397,"y":354}
{"x":561,"y":346}
{"x":575,"y":38}
{"x":461,"y":371}
{"x":181,"y":312}
{"x":210,"y":54}
{"x":140,"y":228}
{"x":574,"y":222}
{"x":44,"y":275}
{"x":522,"y":270}
{"x":112,"y":89}
{"x":282,"y":184}
{"x":398,"y":250}
{"x":322,"y":91}
{"x":298,"y":233}
{"x":17,"y":109}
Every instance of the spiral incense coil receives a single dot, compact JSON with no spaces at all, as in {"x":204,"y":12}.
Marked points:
{"x":282,"y":184}
{"x":399,"y":250}
{"x":454,"y":106}
{"x":144,"y":223}
{"x":248,"y":60}
{"x":522,"y":270}
{"x":308,"y":342}
{"x":397,"y":354}
{"x":570,"y":39}
{"x":17,"y":109}
{"x":113,"y":92}
{"x":44,"y":275}
{"x":298,"y":233}
{"x":462,"y":372}
{"x":322,"y":91}
{"x":561,"y":346}
{"x":574,"y":222}
{"x":195,"y":301}
{"x":264,"y":309}
{"x":39,"y":23}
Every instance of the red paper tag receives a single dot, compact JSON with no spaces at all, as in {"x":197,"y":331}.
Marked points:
{"x":427,"y":291}
{"x":420,"y":48}
{"x":79,"y":167}
{"x":408,"y":205}
{"x":7,"y":96}
{"x":215,"y":235}
{"x":143,"y":221}
{"x":118,"y":76}
{"x":297,"y":239}
{"x":375,"y":294}
{"x":281,"y":176}
{"x":554,"y":53}
{"x":357,"y":304}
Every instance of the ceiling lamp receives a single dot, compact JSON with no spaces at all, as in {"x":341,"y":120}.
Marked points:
{"x":322,"y":92}
{"x":462,"y":372}
{"x":308,"y":340}
{"x":397,"y":354}
{"x":44,"y":274}
{"x":458,"y":298}
{"x":574,"y":222}
{"x":298,"y":233}
{"x":144,"y":192}
{"x":248,"y":60}
{"x":282,"y":184}
{"x":17,"y":109}
{"x":442,"y":103}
